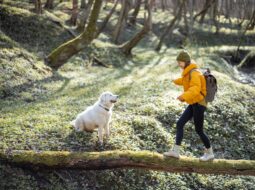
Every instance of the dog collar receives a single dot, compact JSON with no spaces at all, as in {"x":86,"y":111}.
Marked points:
{"x":104,"y":107}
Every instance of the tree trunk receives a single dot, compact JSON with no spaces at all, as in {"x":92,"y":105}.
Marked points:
{"x":125,"y":7}
{"x":191,"y":18}
{"x":215,"y":13}
{"x":125,"y":159}
{"x":170,"y":26}
{"x":38,"y":6}
{"x":61,"y":54}
{"x":248,"y":62}
{"x":107,"y":18}
{"x":163,"y":5}
{"x":251,"y":24}
{"x":136,"y":11}
{"x":186,"y":22}
{"x":84,"y":16}
{"x":202,"y":13}
{"x":83,"y":4}
{"x":49,"y":4}
{"x":73,"y":18}
{"x":128,"y":46}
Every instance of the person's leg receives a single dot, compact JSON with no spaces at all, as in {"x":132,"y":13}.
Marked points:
{"x":198,"y":115}
{"x":185,"y":117}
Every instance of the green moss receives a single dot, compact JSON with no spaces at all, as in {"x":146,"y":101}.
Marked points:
{"x":36,"y":117}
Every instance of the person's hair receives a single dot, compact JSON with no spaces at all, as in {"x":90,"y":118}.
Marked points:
{"x":187,"y":63}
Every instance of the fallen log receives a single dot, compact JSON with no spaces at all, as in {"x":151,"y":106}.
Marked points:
{"x":125,"y":159}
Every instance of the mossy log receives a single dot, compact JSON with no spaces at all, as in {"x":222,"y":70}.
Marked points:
{"x":126,"y":159}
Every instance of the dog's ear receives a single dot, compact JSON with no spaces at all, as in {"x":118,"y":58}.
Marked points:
{"x":103,"y":98}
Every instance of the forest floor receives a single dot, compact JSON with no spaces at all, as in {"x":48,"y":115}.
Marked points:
{"x":38,"y":104}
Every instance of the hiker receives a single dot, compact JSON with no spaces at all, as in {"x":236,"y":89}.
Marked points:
{"x":194,"y":84}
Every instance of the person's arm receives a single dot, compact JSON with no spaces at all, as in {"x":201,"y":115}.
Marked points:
{"x":195,"y":87}
{"x":178,"y":81}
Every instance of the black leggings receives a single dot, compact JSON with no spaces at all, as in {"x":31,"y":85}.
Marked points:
{"x":197,"y":112}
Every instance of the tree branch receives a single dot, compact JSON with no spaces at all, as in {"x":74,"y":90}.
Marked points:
{"x":126,"y":159}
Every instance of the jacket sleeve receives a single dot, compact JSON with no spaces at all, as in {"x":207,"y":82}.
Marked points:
{"x":194,"y":87}
{"x":178,"y":81}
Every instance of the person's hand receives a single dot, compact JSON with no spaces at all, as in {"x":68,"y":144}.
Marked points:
{"x":180,"y":98}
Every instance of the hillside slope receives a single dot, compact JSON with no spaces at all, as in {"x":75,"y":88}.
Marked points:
{"x":37,"y":116}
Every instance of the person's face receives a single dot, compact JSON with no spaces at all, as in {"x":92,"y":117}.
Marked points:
{"x":181,"y":64}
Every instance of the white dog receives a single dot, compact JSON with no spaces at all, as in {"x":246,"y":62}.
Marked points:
{"x":97,"y":116}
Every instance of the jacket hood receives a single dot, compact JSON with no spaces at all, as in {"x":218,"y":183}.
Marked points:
{"x":189,"y":68}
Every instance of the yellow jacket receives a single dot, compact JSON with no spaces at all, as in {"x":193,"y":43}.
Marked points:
{"x":194,"y":85}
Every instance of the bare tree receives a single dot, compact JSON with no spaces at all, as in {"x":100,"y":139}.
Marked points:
{"x":203,"y":12}
{"x":38,"y":6}
{"x":128,"y":46}
{"x":62,"y":53}
{"x":107,"y":18}
{"x":83,"y":4}
{"x":49,"y":4}
{"x":214,"y":16}
{"x":73,"y":18}
{"x":136,"y":11}
{"x":84,"y":16}
{"x":170,"y":27}
{"x":251,"y":24}
{"x":125,"y":7}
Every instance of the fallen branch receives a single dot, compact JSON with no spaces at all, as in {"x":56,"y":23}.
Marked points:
{"x":126,"y":159}
{"x":99,"y":62}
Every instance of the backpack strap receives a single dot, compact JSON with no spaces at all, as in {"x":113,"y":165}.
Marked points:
{"x":190,"y":78}
{"x":191,"y":72}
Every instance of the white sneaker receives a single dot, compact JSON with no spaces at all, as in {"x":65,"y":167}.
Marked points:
{"x":208,"y":155}
{"x":174,"y":152}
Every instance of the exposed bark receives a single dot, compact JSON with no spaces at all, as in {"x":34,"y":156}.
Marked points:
{"x":65,"y":51}
{"x":135,"y":13}
{"x":83,"y":4}
{"x":170,"y":27}
{"x":203,"y":12}
{"x":186,"y":22}
{"x":248,"y":62}
{"x":49,"y":4}
{"x":99,"y":62}
{"x":251,"y":24}
{"x":107,"y":18}
{"x":125,"y":7}
{"x":73,"y":18}
{"x":126,"y":159}
{"x":38,"y":6}
{"x":242,"y":37}
{"x":163,"y":5}
{"x":84,"y":16}
{"x":191,"y":18}
{"x":128,"y":46}
{"x":214,"y":16}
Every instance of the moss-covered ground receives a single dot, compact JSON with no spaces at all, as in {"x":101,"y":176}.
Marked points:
{"x":37,"y":105}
